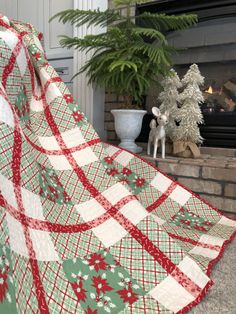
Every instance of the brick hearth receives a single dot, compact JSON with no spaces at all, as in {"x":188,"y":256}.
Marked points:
{"x":213,"y":176}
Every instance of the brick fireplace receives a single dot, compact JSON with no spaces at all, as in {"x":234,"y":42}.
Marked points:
{"x":212,"y":45}
{"x":213,"y":176}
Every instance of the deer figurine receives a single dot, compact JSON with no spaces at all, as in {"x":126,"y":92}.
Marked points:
{"x":158,"y":132}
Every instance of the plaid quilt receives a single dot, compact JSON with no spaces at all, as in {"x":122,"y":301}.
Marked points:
{"x":86,"y":227}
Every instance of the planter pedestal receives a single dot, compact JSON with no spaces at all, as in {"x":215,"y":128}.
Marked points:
{"x":128,"y":125}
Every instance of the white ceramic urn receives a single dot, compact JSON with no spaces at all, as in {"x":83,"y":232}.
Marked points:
{"x":128,"y":123}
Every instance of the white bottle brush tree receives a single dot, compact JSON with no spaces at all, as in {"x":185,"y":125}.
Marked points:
{"x":169,"y":98}
{"x":189,"y":115}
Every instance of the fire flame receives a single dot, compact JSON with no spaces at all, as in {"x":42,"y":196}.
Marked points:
{"x":210,"y":90}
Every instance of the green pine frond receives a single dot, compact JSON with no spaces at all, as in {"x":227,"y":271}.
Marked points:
{"x":166,"y":22}
{"x":155,"y":54}
{"x":113,"y":38}
{"x":149,"y":32}
{"x":89,"y":41}
{"x":121,"y":64}
{"x":69,"y":42}
{"x":90,"y":17}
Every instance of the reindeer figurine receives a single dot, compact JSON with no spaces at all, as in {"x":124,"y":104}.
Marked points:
{"x":158,"y":132}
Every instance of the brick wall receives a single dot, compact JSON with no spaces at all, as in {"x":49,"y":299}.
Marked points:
{"x":112,"y":101}
{"x":212,"y":177}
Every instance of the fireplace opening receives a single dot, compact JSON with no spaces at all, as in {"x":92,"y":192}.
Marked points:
{"x":219,"y":107}
{"x":212,"y":45}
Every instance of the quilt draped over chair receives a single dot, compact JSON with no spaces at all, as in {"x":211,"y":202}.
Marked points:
{"x":86,"y":227}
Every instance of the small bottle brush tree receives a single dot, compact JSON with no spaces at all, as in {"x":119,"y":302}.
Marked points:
{"x":169,"y":98}
{"x":189,"y":115}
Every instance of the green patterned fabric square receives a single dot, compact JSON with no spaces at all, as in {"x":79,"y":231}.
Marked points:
{"x":51,"y":187}
{"x":196,"y":205}
{"x":142,"y":169}
{"x":148,"y":198}
{"x":22,"y":105}
{"x":189,"y":220}
{"x":100,"y":284}
{"x":125,"y":175}
{"x":63,"y":117}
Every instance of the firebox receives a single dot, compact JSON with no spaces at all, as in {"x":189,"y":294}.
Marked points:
{"x":212,"y":45}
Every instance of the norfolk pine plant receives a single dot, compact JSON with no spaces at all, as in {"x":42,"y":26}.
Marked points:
{"x":125,"y":60}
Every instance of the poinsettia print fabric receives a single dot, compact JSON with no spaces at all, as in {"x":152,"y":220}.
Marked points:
{"x":50,"y":186}
{"x":100,"y":284}
{"x":189,"y":220}
{"x":125,"y":175}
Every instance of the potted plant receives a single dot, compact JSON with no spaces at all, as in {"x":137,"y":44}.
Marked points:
{"x":125,"y":60}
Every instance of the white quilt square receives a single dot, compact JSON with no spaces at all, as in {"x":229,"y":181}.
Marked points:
{"x":90,"y":210}
{"x":32,"y":204}
{"x":193,"y":271}
{"x":49,"y":142}
{"x":7,"y":190}
{"x":161,"y":182}
{"x":84,"y":157}
{"x":21,"y":61}
{"x":134,"y":211}
{"x":59,"y":162}
{"x":111,"y":150}
{"x":52,"y":92}
{"x":171,"y":294}
{"x":43,"y":246}
{"x":44,"y":77}
{"x":73,"y":138}
{"x":227,"y":222}
{"x":115,"y":193}
{"x":10,"y":38}
{"x":16,"y":236}
{"x":180,"y":195}
{"x":198,"y":250}
{"x":109,"y":232}
{"x":208,"y":239}
{"x":6,"y":114}
{"x":36,"y":105}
